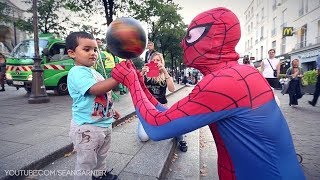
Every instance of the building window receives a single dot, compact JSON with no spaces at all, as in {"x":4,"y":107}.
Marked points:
{"x":274,"y":4}
{"x":303,"y":37}
{"x":307,"y":6}
{"x":273,"y":31}
{"x":301,"y":9}
{"x":252,"y":11}
{"x":283,"y":19}
{"x":274,"y":44}
{"x":256,"y":53}
{"x":318,"y":37}
{"x":261,"y":34}
{"x":262,"y":13}
{"x":261,"y":52}
{"x":283,"y":45}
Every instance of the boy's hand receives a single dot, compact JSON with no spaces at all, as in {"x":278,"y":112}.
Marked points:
{"x":116,"y":115}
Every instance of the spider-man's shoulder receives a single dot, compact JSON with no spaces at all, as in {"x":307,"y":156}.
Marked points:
{"x":242,"y":80}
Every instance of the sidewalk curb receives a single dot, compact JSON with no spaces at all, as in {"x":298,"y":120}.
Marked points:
{"x":41,"y":163}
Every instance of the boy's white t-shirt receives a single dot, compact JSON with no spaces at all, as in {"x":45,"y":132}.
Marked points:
{"x":268,"y":72}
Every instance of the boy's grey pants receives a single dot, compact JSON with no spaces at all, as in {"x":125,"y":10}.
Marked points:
{"x":91,"y":144}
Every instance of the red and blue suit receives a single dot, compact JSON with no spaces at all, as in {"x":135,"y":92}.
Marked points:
{"x":252,"y":136}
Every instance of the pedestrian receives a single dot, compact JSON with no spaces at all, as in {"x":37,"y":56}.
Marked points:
{"x":150,"y":51}
{"x":92,"y":113}
{"x":246,"y":60}
{"x":100,"y":44}
{"x":2,"y":71}
{"x":295,"y":74}
{"x":157,"y":86}
{"x":317,"y":90}
{"x":270,"y":69}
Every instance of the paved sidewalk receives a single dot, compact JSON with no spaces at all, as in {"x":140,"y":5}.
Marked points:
{"x":29,"y":133}
{"x":34,"y":135}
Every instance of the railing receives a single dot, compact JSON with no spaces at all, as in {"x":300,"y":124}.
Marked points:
{"x":301,"y":44}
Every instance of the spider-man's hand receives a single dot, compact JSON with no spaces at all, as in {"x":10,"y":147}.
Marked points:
{"x":124,"y":73}
{"x":151,"y":98}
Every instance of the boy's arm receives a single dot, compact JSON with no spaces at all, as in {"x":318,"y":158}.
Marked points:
{"x":102,"y":87}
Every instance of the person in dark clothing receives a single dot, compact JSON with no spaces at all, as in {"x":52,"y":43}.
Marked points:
{"x":150,"y":51}
{"x":317,"y":90}
{"x":294,"y":73}
{"x":2,"y":71}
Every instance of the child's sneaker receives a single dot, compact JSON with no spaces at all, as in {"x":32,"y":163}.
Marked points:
{"x":107,"y":176}
{"x":183,"y":146}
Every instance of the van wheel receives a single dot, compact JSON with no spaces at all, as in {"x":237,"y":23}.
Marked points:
{"x":62,"y":88}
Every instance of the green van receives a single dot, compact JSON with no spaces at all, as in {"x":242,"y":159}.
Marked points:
{"x":55,"y":63}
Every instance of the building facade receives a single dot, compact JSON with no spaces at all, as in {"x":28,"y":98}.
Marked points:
{"x":265,"y":23}
{"x":15,"y":35}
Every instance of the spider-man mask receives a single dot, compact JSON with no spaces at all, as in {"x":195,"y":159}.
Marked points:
{"x":211,"y":40}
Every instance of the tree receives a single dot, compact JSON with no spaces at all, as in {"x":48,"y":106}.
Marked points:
{"x":110,"y":8}
{"x":166,"y":27}
{"x":4,"y":11}
{"x":49,"y":20}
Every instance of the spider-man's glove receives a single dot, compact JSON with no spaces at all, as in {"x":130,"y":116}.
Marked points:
{"x":124,"y":73}
{"x":151,"y":98}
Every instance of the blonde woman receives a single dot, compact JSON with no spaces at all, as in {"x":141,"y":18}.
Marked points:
{"x":295,"y":74}
{"x":158,"y":88}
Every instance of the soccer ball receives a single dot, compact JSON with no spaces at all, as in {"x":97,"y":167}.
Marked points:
{"x":126,"y":38}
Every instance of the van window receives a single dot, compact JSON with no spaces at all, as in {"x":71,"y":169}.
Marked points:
{"x":58,"y":52}
{"x":25,"y":49}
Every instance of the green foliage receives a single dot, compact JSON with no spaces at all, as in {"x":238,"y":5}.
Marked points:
{"x":309,"y":78}
{"x":138,"y":62}
{"x":165,"y":26}
{"x":4,"y":11}
{"x":48,"y":19}
{"x":282,"y":76}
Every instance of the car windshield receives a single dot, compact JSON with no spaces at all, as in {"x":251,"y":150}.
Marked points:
{"x":25,"y":49}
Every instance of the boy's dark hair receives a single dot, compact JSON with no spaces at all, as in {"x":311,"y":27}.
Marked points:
{"x":72,"y":39}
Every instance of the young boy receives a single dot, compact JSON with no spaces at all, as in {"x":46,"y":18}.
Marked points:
{"x":92,"y":116}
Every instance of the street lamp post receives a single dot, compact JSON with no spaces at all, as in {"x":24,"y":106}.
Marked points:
{"x":14,"y":27}
{"x":38,"y":91}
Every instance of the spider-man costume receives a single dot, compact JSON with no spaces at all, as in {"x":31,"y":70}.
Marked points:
{"x":252,"y":137}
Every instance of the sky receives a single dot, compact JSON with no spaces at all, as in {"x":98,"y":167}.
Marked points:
{"x":191,"y":9}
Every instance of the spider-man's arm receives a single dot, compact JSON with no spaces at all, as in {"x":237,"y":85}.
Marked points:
{"x":151,"y":98}
{"x":211,"y":100}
